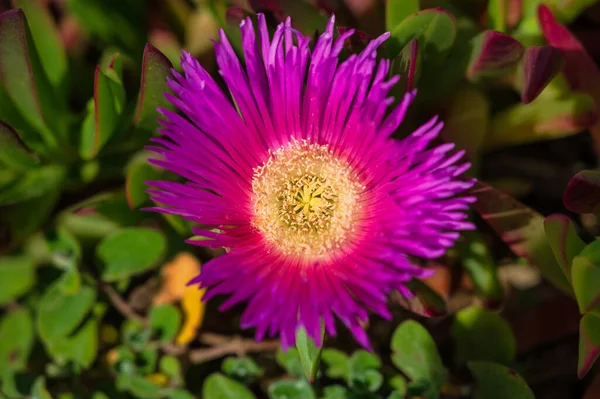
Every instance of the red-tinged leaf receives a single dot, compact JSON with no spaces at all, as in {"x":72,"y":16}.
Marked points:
{"x":568,"y":10}
{"x":521,"y":228}
{"x":515,"y":11}
{"x":426,"y":302}
{"x":407,"y":64}
{"x":580,"y":69}
{"x":563,"y":240}
{"x":585,"y":277}
{"x":155,"y":69}
{"x":46,"y":38}
{"x":397,"y":10}
{"x":494,"y":54}
{"x":589,"y":343}
{"x":13,"y":153}
{"x":540,"y":65}
{"x":582,"y":194}
{"x":17,"y":73}
{"x":545,"y":118}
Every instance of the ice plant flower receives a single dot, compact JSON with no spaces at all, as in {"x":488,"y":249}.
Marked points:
{"x":319,"y":209}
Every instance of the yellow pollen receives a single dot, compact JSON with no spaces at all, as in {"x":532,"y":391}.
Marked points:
{"x":306,"y":200}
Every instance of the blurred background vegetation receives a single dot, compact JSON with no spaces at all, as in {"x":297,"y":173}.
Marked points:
{"x":93,"y":293}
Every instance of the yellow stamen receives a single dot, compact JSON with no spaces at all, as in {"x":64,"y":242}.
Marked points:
{"x":306,"y":200}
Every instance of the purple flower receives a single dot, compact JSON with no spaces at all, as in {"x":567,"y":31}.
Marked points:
{"x":298,"y":178}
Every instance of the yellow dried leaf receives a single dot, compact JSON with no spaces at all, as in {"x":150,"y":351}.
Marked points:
{"x":193,"y":308}
{"x":175,"y":275}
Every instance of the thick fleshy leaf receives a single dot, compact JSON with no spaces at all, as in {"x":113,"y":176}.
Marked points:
{"x":543,"y":119}
{"x":414,"y":352}
{"x":580,"y":69}
{"x":494,"y":381}
{"x":407,"y":64}
{"x":568,"y":10}
{"x":466,"y":120}
{"x":22,"y":219}
{"x":16,"y":339}
{"x":498,"y":14}
{"x":582,"y":194}
{"x":21,"y":75}
{"x":585,"y":276}
{"x":483,"y":335}
{"x":139,"y":171}
{"x":589,"y":343}
{"x":480,"y":266}
{"x":17,"y":276}
{"x":434,"y":28}
{"x":397,"y":10}
{"x":540,"y":65}
{"x":563,"y":240}
{"x":130,"y":251}
{"x":218,"y":386}
{"x":105,"y":110}
{"x":12,"y":153}
{"x":47,"y":40}
{"x":155,"y":69}
{"x":494,"y":54}
{"x":521,"y":228}
{"x":309,"y":352}
{"x":33,"y":184}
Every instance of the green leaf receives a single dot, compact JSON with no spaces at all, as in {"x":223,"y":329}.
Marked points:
{"x":337,"y":363}
{"x":494,"y":381}
{"x":138,"y":386}
{"x":291,"y":389}
{"x":103,"y":113}
{"x":427,"y":302}
{"x":217,"y":386}
{"x":12,"y":153}
{"x":241,"y":368}
{"x":589,"y":343}
{"x":483,"y":335}
{"x":542,"y":119}
{"x":563,"y":240}
{"x":139,"y":171}
{"x":130,"y":251}
{"x":17,"y":276}
{"x":567,"y":11}
{"x":497,"y":14}
{"x":481,"y":268}
{"x":310,"y":354}
{"x":165,"y":320}
{"x":114,"y":21}
{"x":335,"y":392}
{"x":147,"y":359}
{"x":178,"y":394}
{"x":435,"y":29}
{"x":46,"y":37}
{"x":16,"y":339}
{"x":21,"y":220}
{"x":414,"y":352}
{"x":362,"y":371}
{"x":399,"y":384}
{"x":33,"y":184}
{"x":397,"y":10}
{"x":171,"y":366}
{"x":155,"y":69}
{"x":290,"y":361}
{"x":39,"y":390}
{"x":59,"y":313}
{"x":81,"y":347}
{"x":22,"y":77}
{"x":585,"y":276}
{"x":521,"y":228}
{"x":135,"y":335}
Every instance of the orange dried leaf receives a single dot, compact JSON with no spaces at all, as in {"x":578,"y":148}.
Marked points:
{"x":194,"y":309}
{"x":175,"y":275}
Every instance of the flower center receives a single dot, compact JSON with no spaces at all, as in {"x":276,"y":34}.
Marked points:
{"x":306,"y":200}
